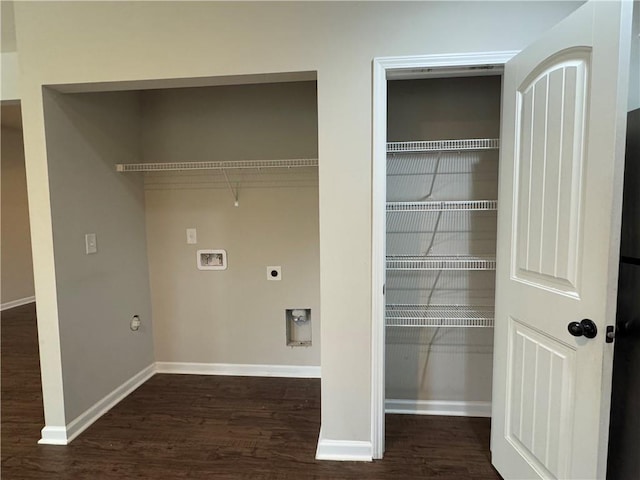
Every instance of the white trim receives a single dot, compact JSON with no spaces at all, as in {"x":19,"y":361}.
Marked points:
{"x":445,"y":60}
{"x":64,"y":435}
{"x":17,"y":303}
{"x":381,"y":68}
{"x":53,"y":436}
{"x":378,"y":247}
{"x":438,"y":407}
{"x":343,"y":450}
{"x":245,"y":370}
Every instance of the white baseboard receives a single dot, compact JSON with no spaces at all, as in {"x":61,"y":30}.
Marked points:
{"x":17,"y":303}
{"x":53,"y":436}
{"x":56,"y":435}
{"x":343,"y":450}
{"x":244,"y":370}
{"x":64,"y":435}
{"x":438,"y":407}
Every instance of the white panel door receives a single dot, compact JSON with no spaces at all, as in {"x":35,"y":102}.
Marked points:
{"x":561,"y":169}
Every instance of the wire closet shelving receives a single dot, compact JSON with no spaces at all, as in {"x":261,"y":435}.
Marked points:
{"x":439,"y":315}
{"x":443,"y":145}
{"x":443,"y":206}
{"x":440,"y":262}
{"x":224,"y":165}
{"x":450,"y":316}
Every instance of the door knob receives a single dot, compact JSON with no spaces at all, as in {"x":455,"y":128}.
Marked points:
{"x":585,"y":328}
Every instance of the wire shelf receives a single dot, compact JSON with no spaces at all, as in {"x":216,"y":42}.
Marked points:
{"x":449,"y":316}
{"x":227,"y":165}
{"x":441,"y":206}
{"x":440,"y":262}
{"x":443,"y":145}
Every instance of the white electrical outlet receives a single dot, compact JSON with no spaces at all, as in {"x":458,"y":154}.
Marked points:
{"x":274,"y":273}
{"x":192,"y":236}
{"x":90,"y":243}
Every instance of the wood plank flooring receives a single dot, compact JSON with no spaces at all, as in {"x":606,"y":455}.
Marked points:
{"x":202,"y":427}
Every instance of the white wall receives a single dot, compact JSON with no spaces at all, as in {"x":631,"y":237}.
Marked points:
{"x":80,"y":42}
{"x":17,"y":267}
{"x":87,"y":134}
{"x":236,"y":315}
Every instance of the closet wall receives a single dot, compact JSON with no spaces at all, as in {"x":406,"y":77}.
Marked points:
{"x":438,"y":363}
{"x":235,"y":315}
{"x":87,"y":134}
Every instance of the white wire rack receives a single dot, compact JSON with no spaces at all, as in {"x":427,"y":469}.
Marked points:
{"x":443,"y":145}
{"x":439,"y":316}
{"x":440,"y":206}
{"x":226,"y":165}
{"x":440,"y":262}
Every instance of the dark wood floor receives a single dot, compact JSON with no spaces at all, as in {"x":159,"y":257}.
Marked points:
{"x":184,"y":426}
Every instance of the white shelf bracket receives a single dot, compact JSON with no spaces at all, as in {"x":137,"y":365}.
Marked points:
{"x":234,"y":193}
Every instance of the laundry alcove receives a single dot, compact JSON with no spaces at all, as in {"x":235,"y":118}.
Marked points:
{"x":230,"y":321}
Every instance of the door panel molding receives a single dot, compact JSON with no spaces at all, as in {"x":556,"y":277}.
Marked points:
{"x":539,"y":392}
{"x":549,"y":173}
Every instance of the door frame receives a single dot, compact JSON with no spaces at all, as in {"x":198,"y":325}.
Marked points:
{"x":420,"y":66}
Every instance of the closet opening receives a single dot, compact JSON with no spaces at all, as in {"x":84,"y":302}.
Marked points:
{"x":436,"y":152}
{"x":190,"y":193}
{"x":442,"y":187}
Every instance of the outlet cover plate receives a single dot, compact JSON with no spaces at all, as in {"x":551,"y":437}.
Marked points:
{"x":90,"y":243}
{"x":274,"y":273}
{"x":192,"y":236}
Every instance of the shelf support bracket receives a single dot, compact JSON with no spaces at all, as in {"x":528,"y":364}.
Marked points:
{"x":234,"y":193}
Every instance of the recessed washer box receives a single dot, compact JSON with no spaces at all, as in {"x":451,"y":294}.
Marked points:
{"x":298,"y":327}
{"x":211,"y":259}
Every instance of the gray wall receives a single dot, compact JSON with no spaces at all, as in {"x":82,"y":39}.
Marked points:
{"x":17,"y":266}
{"x":444,"y":364}
{"x":236,"y":315}
{"x":87,"y":134}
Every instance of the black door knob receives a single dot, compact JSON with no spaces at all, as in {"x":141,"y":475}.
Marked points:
{"x":585,"y":328}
